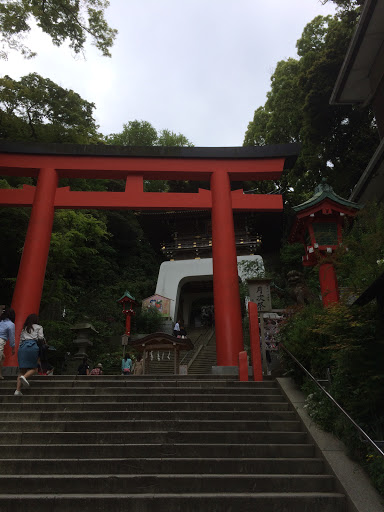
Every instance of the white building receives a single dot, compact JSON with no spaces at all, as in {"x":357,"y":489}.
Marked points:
{"x":175,"y":275}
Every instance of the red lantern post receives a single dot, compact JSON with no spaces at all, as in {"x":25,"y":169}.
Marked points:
{"x":128,"y":302}
{"x":318,"y":225}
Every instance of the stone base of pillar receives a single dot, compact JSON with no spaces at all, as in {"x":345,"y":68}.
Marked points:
{"x":10,"y":371}
{"x":229,"y":370}
{"x":225,"y":370}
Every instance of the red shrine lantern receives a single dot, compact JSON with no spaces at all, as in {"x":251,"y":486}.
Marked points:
{"x":128,"y":302}
{"x":318,"y":225}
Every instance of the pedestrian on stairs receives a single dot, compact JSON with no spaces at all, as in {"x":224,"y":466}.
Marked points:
{"x":28,"y":353}
{"x":44,"y":368}
{"x":126,"y":365}
{"x":139,"y":366}
{"x":176,"y":329}
{"x":98,"y":370}
{"x":7,"y":332}
{"x":83,"y":369}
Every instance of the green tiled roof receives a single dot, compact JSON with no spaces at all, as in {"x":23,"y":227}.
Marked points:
{"x":126,"y":295}
{"x":325,"y":191}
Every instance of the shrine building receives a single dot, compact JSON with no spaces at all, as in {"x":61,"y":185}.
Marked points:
{"x":185,"y":239}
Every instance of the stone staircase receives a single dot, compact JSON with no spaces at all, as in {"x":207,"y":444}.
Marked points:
{"x":206,"y":358}
{"x":164,"y":444}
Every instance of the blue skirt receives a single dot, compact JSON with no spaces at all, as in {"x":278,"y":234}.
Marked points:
{"x":28,"y":354}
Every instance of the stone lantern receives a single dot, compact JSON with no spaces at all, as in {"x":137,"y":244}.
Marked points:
{"x":83,"y":331}
{"x":318,"y":225}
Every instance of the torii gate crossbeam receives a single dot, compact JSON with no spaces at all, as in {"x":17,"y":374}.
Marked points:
{"x":219,"y":166}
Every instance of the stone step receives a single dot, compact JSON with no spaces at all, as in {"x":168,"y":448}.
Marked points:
{"x":160,"y":484}
{"x":25,"y":405}
{"x":289,"y":427}
{"x":208,"y":376}
{"x":88,"y":391}
{"x":143,"y":381}
{"x":148,"y":450}
{"x":84,"y":436}
{"x":156,"y":444}
{"x":163,"y":465}
{"x":202,"y":378}
{"x":270,"y":420}
{"x":150,"y":502}
{"x":29,"y":397}
{"x":128,"y":384}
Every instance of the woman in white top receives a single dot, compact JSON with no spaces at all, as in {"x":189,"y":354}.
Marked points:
{"x":176,"y":329}
{"x":28,"y":353}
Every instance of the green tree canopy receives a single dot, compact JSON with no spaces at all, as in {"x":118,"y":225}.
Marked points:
{"x":35,"y":108}
{"x":134,"y":133}
{"x":360,"y":260}
{"x":168,"y":138}
{"x":72,"y":20}
{"x":337,"y":141}
{"x":142,"y":133}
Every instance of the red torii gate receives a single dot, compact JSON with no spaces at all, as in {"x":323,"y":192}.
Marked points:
{"x":50,"y":162}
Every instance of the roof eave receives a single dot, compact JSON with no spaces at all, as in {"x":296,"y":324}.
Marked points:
{"x":339,"y":94}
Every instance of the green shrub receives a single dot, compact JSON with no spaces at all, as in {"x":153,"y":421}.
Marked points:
{"x":111,"y":361}
{"x":375,"y":468}
{"x":147,"y":321}
{"x":341,"y":338}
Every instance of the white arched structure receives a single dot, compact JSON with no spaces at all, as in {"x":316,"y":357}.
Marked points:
{"x":174,"y":274}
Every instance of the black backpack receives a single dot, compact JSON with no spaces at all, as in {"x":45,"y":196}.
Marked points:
{"x":82,"y":369}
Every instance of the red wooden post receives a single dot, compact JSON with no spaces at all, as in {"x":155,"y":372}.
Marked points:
{"x":328,"y":284}
{"x":255,"y":342}
{"x":128,"y":301}
{"x":30,"y":278}
{"x":128,"y":324}
{"x":243,"y":366}
{"x":228,"y":324}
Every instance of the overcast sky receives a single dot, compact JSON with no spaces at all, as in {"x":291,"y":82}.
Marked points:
{"x":196,"y":67}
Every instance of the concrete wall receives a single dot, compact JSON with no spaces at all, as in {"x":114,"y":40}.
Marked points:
{"x":174,"y":274}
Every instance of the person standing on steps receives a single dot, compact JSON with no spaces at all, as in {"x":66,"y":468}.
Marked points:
{"x":176,"y":329}
{"x":28,"y":354}
{"x":7,"y":332}
{"x":83,"y":369}
{"x":98,"y":370}
{"x":126,"y":365}
{"x":44,"y":368}
{"x":183,"y":332}
{"x":139,"y":366}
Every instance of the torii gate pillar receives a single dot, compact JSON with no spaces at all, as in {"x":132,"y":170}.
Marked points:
{"x":228,"y":324}
{"x":30,"y":278}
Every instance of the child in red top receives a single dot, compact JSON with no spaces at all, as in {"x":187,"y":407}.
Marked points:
{"x":98,"y":370}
